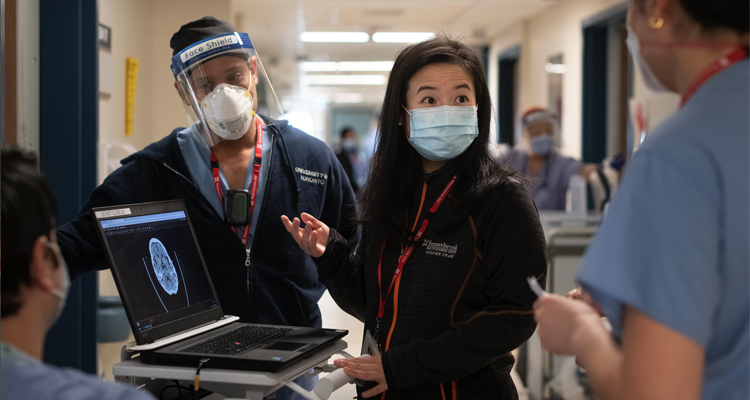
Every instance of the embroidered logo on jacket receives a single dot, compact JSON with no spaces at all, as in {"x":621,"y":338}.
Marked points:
{"x":311,"y":176}
{"x":440,"y":249}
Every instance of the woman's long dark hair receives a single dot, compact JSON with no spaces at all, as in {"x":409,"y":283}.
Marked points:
{"x":395,"y":167}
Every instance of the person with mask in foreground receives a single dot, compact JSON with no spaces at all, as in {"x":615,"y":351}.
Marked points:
{"x":34,"y":287}
{"x":669,"y":264}
{"x":233,"y":151}
{"x":539,"y":160}
{"x":449,"y":239}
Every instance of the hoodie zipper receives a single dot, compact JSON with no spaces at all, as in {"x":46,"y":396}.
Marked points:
{"x":248,"y":262}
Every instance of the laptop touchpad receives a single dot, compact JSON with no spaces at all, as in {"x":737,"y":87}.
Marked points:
{"x":289,"y":346}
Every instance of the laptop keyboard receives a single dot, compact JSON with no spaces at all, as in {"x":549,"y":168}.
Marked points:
{"x":237,"y":340}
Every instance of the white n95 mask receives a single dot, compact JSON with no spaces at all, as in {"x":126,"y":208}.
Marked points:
{"x":442,"y":133}
{"x":228,"y":110}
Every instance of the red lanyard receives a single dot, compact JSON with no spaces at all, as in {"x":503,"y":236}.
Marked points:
{"x":713,"y":69}
{"x":405,"y":256}
{"x":253,"y":184}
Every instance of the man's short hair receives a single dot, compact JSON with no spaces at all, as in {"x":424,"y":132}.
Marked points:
{"x":28,"y":212}
{"x":346,"y":130}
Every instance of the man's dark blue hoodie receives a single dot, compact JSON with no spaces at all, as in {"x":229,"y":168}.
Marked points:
{"x":281,"y":284}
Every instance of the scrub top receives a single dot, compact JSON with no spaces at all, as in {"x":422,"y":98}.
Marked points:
{"x":549,"y":187}
{"x":674,"y":244}
{"x":24,"y":377}
{"x":198,"y":160}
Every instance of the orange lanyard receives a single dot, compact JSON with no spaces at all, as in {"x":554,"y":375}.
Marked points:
{"x":711,"y":70}
{"x":253,"y":184}
{"x":406,"y":254}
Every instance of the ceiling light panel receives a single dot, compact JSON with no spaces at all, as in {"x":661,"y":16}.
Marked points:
{"x":346,"y":66}
{"x":335,"y":37}
{"x":346,"y":79}
{"x":401,"y":37}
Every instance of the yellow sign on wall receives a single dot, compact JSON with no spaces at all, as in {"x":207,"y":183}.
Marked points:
{"x":131,"y":76}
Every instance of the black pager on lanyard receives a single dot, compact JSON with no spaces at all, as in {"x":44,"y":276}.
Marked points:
{"x":237,"y":207}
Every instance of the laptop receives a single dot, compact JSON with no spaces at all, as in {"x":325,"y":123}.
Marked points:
{"x":171,"y":303}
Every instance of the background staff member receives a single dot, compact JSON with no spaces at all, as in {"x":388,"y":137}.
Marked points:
{"x":450,"y":237}
{"x":259,"y":272}
{"x":539,"y":160}
{"x":669,"y":265}
{"x":34,"y":287}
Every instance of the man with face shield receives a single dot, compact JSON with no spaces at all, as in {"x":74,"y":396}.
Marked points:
{"x":548,"y":170}
{"x":238,"y":168}
{"x":34,"y":288}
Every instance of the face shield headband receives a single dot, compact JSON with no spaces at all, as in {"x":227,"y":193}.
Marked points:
{"x":223,"y":85}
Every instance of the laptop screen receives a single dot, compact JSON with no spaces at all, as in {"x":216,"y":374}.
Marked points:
{"x":158,"y":268}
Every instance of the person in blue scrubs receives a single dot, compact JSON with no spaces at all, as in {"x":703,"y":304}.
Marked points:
{"x":669,"y":265}
{"x":34,"y":288}
{"x":539,"y":160}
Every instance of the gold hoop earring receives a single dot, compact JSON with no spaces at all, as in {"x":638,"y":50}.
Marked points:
{"x":656,"y":23}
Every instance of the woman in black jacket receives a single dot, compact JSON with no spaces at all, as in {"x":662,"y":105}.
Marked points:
{"x":449,"y":239}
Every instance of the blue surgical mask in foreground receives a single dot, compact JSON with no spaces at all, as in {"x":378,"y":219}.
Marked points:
{"x":442,"y":133}
{"x":648,"y":75}
{"x":542,"y":144}
{"x":61,"y":293}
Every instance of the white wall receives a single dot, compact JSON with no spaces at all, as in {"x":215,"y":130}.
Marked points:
{"x":27,"y":80}
{"x":131,"y":37}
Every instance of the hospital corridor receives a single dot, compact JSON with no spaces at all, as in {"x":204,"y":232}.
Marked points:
{"x":402,"y":199}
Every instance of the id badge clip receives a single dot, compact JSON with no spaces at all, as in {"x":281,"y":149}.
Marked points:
{"x":237,"y":207}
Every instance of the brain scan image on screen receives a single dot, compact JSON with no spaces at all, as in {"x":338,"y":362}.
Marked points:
{"x":163,"y":266}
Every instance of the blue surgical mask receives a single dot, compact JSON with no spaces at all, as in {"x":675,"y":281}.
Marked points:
{"x":349,"y":145}
{"x":648,"y":75}
{"x":61,"y":293}
{"x":542,"y":144}
{"x":442,"y":133}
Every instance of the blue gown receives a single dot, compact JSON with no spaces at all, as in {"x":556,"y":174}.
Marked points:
{"x":24,"y":377}
{"x":674,"y":244}
{"x":549,"y":187}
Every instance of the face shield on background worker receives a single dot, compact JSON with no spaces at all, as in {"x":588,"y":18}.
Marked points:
{"x":223,"y":85}
{"x":540,"y":131}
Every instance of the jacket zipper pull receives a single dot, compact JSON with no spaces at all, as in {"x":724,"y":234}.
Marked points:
{"x":247,"y":257}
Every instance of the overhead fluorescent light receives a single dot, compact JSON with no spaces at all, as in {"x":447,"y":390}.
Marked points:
{"x":555,"y":68}
{"x":401,"y":37}
{"x":346,"y":79}
{"x":348,"y":98}
{"x":335,"y":37}
{"x":330,"y":66}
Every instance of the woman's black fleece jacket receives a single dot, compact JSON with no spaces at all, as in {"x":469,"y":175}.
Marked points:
{"x":463,"y":300}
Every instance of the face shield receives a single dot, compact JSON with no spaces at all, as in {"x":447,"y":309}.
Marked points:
{"x":223,"y":84}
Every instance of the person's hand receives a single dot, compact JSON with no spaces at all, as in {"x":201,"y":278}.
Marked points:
{"x":565,"y":325}
{"x":365,"y":368}
{"x":587,"y":169}
{"x":584,"y":296}
{"x":313,"y":238}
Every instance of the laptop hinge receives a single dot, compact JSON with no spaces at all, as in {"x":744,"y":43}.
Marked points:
{"x":228,"y":319}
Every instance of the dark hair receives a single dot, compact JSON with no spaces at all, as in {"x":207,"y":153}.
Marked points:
{"x":395,"y":167}
{"x":195,"y":31}
{"x":711,"y":14}
{"x":28,"y":212}
{"x":345,"y":130}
